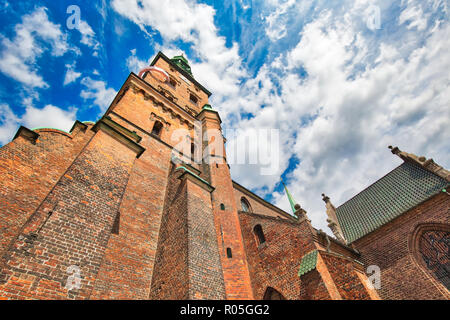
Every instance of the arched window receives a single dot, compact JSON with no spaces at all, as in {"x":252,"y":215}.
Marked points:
{"x":245,"y":205}
{"x":157,"y":128}
{"x":259,"y":234}
{"x":222,"y":206}
{"x":431,"y":247}
{"x":272,"y":294}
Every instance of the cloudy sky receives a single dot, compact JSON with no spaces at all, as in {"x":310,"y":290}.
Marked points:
{"x":339,"y":80}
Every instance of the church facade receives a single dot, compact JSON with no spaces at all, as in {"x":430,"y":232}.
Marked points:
{"x":114,"y":210}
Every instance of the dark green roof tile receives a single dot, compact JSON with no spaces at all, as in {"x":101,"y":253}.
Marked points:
{"x":308,"y":263}
{"x":397,"y":192}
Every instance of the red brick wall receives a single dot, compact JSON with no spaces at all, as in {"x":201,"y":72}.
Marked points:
{"x":389,"y":248}
{"x":139,"y":103}
{"x":83,"y":204}
{"x":170,"y":276}
{"x":127,"y":267}
{"x":276,"y":262}
{"x":206,"y":279}
{"x":228,"y":229}
{"x":182,"y":90}
{"x":188,"y":263}
{"x":313,"y":287}
{"x":345,"y":278}
{"x":28,"y":172}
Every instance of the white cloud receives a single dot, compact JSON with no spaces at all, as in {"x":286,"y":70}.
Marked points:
{"x":96,"y":89}
{"x":361,"y":91}
{"x":134,"y":64}
{"x":8,"y":123}
{"x":18,"y":56}
{"x":49,"y":116}
{"x":216,"y":65}
{"x":87,"y":35}
{"x":414,"y":17}
{"x":399,"y":100}
{"x":71,"y":74}
{"x":276,"y":21}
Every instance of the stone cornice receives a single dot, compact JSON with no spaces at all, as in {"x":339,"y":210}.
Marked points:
{"x":109,"y":128}
{"x":187,"y":174}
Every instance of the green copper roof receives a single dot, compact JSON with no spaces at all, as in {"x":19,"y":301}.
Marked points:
{"x":182,"y":63}
{"x":400,"y":190}
{"x":290,"y":198}
{"x":207,"y":106}
{"x":309,"y":262}
{"x":40,"y":128}
{"x":189,"y":171}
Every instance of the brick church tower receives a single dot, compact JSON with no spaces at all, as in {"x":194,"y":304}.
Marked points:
{"x":101,"y":201}
{"x":141,"y":205}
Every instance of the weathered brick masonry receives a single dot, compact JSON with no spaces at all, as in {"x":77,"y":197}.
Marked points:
{"x":72,"y":225}
{"x":392,"y":249}
{"x":117,"y":201}
{"x":275,"y":262}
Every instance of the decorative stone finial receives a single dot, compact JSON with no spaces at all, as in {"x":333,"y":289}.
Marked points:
{"x":300,"y":213}
{"x":332,"y":220}
{"x":325,"y":198}
{"x":429,"y":164}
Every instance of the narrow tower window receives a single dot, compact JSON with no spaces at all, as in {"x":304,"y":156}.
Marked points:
{"x":172,"y":82}
{"x":116,"y":224}
{"x":157,"y":128}
{"x":259,"y":234}
{"x":229,"y":254}
{"x":222,"y":206}
{"x":193,"y":99}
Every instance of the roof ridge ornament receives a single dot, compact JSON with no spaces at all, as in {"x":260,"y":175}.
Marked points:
{"x":182,"y":62}
{"x":333,"y":222}
{"x":291,"y":199}
{"x":422,"y":161}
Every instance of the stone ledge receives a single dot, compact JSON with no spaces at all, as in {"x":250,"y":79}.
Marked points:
{"x":187,"y":174}
{"x":27,"y":134}
{"x":108,"y":127}
{"x":80,"y":124}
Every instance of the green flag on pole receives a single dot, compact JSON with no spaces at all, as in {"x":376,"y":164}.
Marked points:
{"x":291,"y":200}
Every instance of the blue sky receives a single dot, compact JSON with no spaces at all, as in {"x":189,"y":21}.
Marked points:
{"x":339,"y":87}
